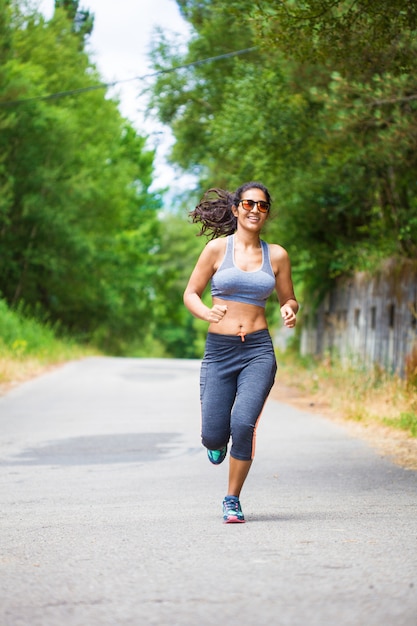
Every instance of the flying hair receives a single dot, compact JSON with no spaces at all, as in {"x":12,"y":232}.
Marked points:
{"x":214,"y":211}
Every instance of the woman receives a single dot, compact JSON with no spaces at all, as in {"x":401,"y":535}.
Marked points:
{"x":239,"y":366}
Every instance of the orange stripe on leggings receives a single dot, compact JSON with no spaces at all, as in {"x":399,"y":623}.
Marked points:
{"x":252,"y":456}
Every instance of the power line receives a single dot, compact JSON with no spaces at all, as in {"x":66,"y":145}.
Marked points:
{"x":73,"y":92}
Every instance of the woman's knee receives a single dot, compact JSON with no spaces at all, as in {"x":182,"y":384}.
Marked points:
{"x":215,"y":442}
{"x":243,"y":437}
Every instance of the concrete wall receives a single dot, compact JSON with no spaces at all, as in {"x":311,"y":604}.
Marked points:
{"x":367,"y":319}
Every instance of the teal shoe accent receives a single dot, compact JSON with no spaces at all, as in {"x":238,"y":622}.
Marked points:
{"x":217,"y":456}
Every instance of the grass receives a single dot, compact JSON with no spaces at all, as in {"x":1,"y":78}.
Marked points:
{"x":29,"y":347}
{"x":370,"y":397}
{"x":405,"y":421}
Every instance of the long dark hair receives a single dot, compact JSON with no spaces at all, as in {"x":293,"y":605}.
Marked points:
{"x":214,"y":211}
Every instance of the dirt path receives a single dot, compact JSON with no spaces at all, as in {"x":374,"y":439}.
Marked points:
{"x":390,"y":442}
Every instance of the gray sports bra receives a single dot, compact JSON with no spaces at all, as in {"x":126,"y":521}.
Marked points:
{"x":232,"y":283}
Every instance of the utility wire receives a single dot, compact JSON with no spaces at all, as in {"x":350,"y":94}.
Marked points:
{"x":72,"y":92}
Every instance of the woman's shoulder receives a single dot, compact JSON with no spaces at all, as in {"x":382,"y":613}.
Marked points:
{"x":276,"y":251}
{"x":279,"y":259}
{"x":216,"y":246}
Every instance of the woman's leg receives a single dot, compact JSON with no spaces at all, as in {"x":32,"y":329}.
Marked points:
{"x":254,"y":384}
{"x":238,"y":471}
{"x":217,"y":390}
{"x":217,"y":398}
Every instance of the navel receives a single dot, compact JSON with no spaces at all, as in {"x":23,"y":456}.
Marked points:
{"x":241,"y":333}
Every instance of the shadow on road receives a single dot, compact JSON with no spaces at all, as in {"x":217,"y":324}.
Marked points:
{"x":99,"y":449}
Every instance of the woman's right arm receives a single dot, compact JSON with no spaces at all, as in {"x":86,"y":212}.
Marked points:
{"x":199,"y":279}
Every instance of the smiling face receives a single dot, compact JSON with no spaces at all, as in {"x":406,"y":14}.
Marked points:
{"x":251,"y":216}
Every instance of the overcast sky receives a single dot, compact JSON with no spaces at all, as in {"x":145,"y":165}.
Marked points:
{"x":119,"y":44}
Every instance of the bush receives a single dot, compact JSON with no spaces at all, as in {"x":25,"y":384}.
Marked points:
{"x":28,"y":345}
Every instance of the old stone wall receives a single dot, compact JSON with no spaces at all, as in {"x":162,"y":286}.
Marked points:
{"x":367,"y":319}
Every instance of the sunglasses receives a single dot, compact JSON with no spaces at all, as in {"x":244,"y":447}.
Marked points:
{"x":248,"y":205}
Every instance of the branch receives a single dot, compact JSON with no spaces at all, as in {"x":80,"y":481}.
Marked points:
{"x":378,"y":103}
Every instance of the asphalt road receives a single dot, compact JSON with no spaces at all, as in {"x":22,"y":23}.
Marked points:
{"x":111,"y":514}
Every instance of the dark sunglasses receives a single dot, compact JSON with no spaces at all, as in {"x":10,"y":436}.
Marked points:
{"x":248,"y":205}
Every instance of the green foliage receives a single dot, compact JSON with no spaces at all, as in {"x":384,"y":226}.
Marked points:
{"x":78,"y":223}
{"x":188,"y":100}
{"x":173,"y":325}
{"x":23,"y":336}
{"x":324,"y":112}
{"x":360,"y":38}
{"x":82,"y":20}
{"x":405,"y":421}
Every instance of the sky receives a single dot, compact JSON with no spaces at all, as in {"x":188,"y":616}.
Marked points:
{"x":119,"y":45}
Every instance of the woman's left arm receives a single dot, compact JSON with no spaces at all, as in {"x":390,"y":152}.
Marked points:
{"x":284,"y":285}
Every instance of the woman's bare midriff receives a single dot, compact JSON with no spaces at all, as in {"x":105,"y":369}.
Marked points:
{"x":240,"y":319}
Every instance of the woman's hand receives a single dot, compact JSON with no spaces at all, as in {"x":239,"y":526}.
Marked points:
{"x":288,"y":315}
{"x":216,"y":313}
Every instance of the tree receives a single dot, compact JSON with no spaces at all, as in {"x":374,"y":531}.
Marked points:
{"x":174,"y":327}
{"x":370,"y":102}
{"x":81,"y":19}
{"x":6,"y":119}
{"x":324,"y":112}
{"x":189,"y":99}
{"x":360,"y":38}
{"x":78,"y":223}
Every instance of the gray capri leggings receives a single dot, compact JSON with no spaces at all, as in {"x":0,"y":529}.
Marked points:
{"x":235,"y":380}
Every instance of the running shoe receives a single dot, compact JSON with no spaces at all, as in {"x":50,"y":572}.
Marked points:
{"x":232,"y":512}
{"x":217,"y":456}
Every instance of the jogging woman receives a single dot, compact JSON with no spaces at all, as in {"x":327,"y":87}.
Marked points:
{"x":239,"y":366}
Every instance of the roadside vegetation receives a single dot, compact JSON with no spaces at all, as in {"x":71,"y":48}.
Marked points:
{"x":29,"y":347}
{"x":365,"y":396}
